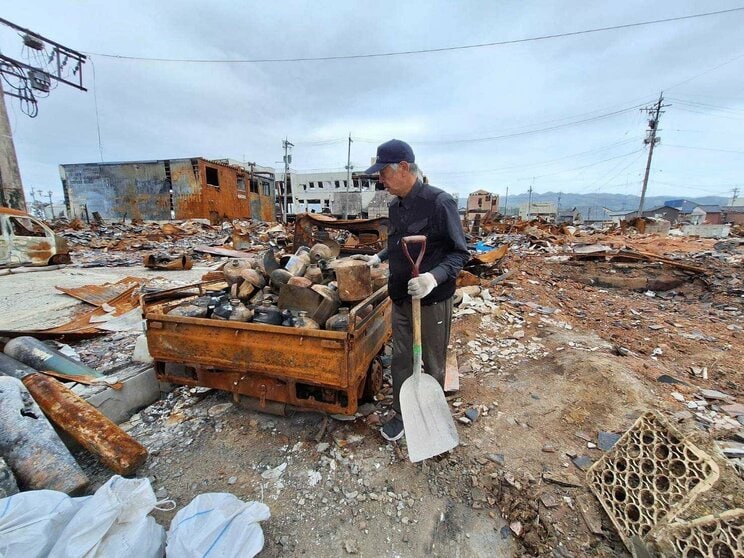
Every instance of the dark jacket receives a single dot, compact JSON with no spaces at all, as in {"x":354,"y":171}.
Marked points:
{"x":428,"y":211}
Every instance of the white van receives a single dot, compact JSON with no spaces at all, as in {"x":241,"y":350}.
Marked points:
{"x":24,"y":240}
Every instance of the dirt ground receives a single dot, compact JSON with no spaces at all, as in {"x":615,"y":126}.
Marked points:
{"x":556,"y":361}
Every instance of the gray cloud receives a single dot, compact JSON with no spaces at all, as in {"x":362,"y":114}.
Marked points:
{"x":152,"y":110}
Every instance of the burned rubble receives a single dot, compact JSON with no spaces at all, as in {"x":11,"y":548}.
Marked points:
{"x":564,"y":340}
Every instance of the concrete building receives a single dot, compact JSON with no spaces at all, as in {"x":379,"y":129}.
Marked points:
{"x":537,"y":210}
{"x":169,"y":189}
{"x":326,"y":192}
{"x":482,"y":202}
{"x":480,"y":206}
{"x":11,"y":189}
{"x":586,"y":215}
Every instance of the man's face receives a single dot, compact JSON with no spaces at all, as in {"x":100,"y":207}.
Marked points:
{"x":396,"y":181}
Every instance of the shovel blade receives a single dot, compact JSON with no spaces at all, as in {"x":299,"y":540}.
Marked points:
{"x":427,"y":420}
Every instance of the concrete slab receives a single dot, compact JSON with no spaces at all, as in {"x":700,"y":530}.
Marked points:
{"x":141,"y":388}
{"x":30,"y":301}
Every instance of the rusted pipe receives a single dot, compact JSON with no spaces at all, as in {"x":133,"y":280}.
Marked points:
{"x":116,"y":449}
{"x":30,"y":445}
{"x":40,"y":356}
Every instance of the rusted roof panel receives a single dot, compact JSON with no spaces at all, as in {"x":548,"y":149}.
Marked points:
{"x":98,"y":295}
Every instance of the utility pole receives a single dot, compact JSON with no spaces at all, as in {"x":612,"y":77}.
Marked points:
{"x":558,"y":207}
{"x":651,"y":140}
{"x":348,"y":179}
{"x":529,"y":200}
{"x":506,"y":201}
{"x":40,"y":65}
{"x":287,"y":145}
{"x":734,"y":192}
{"x":51,"y":206}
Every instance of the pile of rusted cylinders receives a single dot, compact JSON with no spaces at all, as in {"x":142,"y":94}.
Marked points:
{"x":32,"y":403}
{"x":312,"y":288}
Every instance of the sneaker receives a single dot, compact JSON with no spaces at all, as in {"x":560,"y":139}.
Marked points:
{"x":393,"y":429}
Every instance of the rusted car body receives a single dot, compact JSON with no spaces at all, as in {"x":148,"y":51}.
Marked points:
{"x":25,"y":240}
{"x":309,"y":368}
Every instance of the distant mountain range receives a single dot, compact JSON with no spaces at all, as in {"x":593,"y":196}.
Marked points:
{"x":614,"y":202}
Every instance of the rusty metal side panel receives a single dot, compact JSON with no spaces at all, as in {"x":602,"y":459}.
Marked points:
{"x":186,"y":180}
{"x":223,"y":202}
{"x":138,"y":190}
{"x":262,"y":208}
{"x":254,"y":202}
{"x":314,"y":356}
{"x":368,"y":339}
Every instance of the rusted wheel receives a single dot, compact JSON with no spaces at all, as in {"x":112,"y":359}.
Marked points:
{"x":373,"y":382}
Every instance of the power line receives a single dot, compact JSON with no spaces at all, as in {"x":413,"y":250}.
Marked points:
{"x":698,"y":110}
{"x":541,"y":163}
{"x":420,"y":51}
{"x":331,"y":141}
{"x":705,"y":105}
{"x":704,"y":148}
{"x":734,"y":59}
{"x":527,"y":132}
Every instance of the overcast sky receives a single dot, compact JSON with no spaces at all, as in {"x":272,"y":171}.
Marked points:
{"x":154,"y":110}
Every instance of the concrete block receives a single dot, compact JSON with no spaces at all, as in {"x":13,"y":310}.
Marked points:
{"x":707,"y":231}
{"x":141,"y":351}
{"x":141,"y":388}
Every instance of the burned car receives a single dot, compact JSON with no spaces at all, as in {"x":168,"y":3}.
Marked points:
{"x":25,"y":240}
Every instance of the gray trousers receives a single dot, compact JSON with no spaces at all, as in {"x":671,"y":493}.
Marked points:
{"x":436,"y":320}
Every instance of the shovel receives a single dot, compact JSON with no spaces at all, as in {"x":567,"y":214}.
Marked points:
{"x":428,"y":423}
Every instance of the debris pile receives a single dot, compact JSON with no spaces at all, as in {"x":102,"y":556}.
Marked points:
{"x":312,"y":290}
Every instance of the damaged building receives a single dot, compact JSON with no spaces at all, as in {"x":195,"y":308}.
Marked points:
{"x":169,"y":189}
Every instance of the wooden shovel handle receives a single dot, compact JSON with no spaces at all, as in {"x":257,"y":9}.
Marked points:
{"x":415,"y":303}
{"x":416,"y":239}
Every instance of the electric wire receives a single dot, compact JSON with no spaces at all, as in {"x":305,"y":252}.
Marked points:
{"x":420,"y":51}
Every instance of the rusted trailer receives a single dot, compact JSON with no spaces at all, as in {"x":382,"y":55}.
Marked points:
{"x":309,"y":368}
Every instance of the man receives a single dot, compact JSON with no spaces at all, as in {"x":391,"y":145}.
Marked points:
{"x":418,"y":209}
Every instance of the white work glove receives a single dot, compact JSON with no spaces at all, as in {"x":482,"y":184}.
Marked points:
{"x":370,"y":260}
{"x":420,"y":286}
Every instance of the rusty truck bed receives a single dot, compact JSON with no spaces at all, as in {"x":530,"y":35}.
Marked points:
{"x":315,"y":369}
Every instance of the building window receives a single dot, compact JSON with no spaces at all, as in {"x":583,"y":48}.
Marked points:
{"x":266,"y":188}
{"x":254,"y":185}
{"x":213,"y":177}
{"x":338,"y":184}
{"x":241,"y":183}
{"x":312,"y":185}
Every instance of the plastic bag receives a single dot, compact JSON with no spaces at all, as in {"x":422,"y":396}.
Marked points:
{"x":30,"y":522}
{"x":217,"y":525}
{"x":113,"y":523}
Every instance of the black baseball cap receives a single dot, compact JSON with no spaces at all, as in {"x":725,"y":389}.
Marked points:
{"x":390,"y":153}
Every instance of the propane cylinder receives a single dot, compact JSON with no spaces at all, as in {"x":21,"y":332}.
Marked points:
{"x":8,"y":484}
{"x":11,"y":367}
{"x":116,"y":449}
{"x":37,"y":456}
{"x":38,"y":355}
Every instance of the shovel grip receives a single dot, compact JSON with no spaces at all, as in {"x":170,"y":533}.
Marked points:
{"x":416,"y":239}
